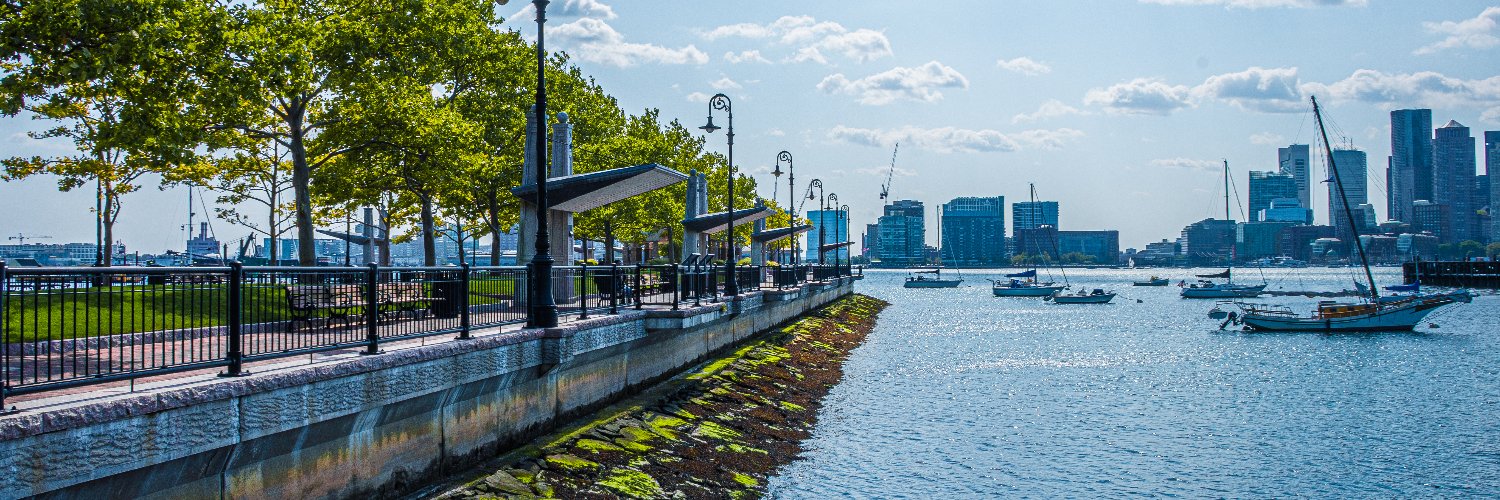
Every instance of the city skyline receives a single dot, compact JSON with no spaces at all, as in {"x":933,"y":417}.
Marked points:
{"x":1056,"y":93}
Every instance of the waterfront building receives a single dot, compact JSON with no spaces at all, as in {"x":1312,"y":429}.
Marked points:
{"x":1209,"y":242}
{"x":1161,"y":253}
{"x":1295,"y":161}
{"x":1433,"y":219}
{"x":1033,"y":214}
{"x":903,"y":234}
{"x":1412,"y":246}
{"x":1410,"y":167}
{"x":1453,"y":168}
{"x":1258,"y":240}
{"x":203,"y":245}
{"x":1352,"y":169}
{"x":974,"y":232}
{"x":869,"y":242}
{"x":1296,"y":241}
{"x":1037,"y":241}
{"x":834,"y":225}
{"x":327,"y":249}
{"x":1267,"y":186}
{"x":1286,"y":210}
{"x":1380,"y":249}
{"x":59,"y":254}
{"x":1491,"y":170}
{"x":1103,"y":246}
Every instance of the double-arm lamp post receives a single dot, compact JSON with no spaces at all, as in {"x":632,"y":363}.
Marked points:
{"x":542,"y":310}
{"x":791,"y":195}
{"x":721,"y":101}
{"x":833,"y":201}
{"x":843,"y":216}
{"x":818,"y":183}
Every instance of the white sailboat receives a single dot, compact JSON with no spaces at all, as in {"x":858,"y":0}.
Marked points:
{"x":1371,"y":313}
{"x":1205,"y":289}
{"x":1025,"y":284}
{"x":920,"y":279}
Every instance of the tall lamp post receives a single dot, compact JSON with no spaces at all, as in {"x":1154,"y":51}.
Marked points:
{"x":833,"y":201}
{"x":843,"y":216}
{"x":721,"y":101}
{"x":818,"y":183}
{"x":542,"y":311}
{"x":791,"y":195}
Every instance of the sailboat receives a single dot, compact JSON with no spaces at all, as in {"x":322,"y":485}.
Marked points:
{"x":1371,"y":313}
{"x":920,"y":279}
{"x":1025,"y":284}
{"x":1205,"y":289}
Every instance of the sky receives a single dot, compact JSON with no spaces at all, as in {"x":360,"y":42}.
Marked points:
{"x":1120,"y":110}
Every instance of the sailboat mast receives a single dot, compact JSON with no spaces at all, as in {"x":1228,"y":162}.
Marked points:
{"x":1227,"y":217}
{"x":1348,"y":213}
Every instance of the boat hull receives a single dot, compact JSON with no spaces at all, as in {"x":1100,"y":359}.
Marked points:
{"x":1222,"y":292}
{"x":1026,"y":291}
{"x":1083,"y":299}
{"x":933,"y":283}
{"x":1152,"y":283}
{"x":1400,"y":317}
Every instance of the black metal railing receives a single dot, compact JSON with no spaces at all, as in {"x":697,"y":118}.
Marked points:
{"x":69,"y":327}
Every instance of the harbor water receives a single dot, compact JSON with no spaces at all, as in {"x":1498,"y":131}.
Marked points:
{"x":959,"y":394}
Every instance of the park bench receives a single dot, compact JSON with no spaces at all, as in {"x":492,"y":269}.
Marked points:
{"x":309,"y":302}
{"x":399,"y":298}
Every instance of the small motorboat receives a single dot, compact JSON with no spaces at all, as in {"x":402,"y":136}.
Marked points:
{"x":920,"y":279}
{"x":1097,"y":296}
{"x":1154,"y":281}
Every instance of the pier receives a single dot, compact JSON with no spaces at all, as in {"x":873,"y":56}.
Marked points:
{"x":1457,"y":274}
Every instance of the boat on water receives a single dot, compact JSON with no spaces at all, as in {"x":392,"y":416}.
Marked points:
{"x":1154,"y":281}
{"x":1025,"y":283}
{"x":1205,"y":289}
{"x":1097,"y":296}
{"x":1371,"y":313}
{"x":921,"y":279}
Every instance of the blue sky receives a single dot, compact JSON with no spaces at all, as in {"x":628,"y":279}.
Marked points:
{"x":1119,"y":110}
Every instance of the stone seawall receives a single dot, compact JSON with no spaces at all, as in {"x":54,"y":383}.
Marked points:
{"x":370,"y":426}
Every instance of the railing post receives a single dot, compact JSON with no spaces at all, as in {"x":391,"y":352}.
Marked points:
{"x":463,"y":301}
{"x":372,"y":311}
{"x":4,"y":343}
{"x":637,"y":292}
{"x":698,"y":282}
{"x":676,"y":286}
{"x":614,"y":293}
{"x":236,"y":354}
{"x":583,"y":296}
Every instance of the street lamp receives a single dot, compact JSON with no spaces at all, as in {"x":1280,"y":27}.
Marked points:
{"x":791,"y":195}
{"x":721,"y":101}
{"x":818,"y":183}
{"x":843,"y":216}
{"x":833,"y":200}
{"x":541,"y":312}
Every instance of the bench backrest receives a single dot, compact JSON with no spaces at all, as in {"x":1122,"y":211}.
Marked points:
{"x":307,"y":296}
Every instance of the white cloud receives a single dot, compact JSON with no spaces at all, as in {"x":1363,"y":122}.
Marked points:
{"x":725,"y":84}
{"x":1425,"y":88}
{"x":1474,"y":33}
{"x":882,"y":170}
{"x":1024,"y":65}
{"x":698,"y":97}
{"x":1053,"y":108}
{"x":1149,"y":96}
{"x":1259,"y":4}
{"x":775,"y":132}
{"x":951,"y":139}
{"x":1187,"y":163}
{"x":587,"y":8}
{"x":1259,"y":89}
{"x":1491,"y":115}
{"x":811,"y":38}
{"x":1267,"y":139}
{"x":748,"y":56}
{"x":596,"y":41}
{"x":922,"y":84}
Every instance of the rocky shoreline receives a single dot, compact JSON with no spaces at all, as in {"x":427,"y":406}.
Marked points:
{"x":718,"y":432}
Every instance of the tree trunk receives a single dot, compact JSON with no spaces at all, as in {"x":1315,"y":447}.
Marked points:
{"x":301,"y":186}
{"x":494,"y":246}
{"x":110,"y":215}
{"x":609,"y":242}
{"x":429,"y":241}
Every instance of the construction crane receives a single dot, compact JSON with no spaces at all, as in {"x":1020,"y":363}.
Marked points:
{"x":22,"y":237}
{"x":885,"y":189}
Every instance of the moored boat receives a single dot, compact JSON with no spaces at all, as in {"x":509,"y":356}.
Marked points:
{"x":1154,"y":281}
{"x":920,"y":279}
{"x":1097,"y":296}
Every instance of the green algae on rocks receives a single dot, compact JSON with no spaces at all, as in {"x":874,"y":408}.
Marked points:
{"x":718,"y":432}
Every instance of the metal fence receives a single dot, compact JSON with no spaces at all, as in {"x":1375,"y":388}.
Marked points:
{"x":69,"y":327}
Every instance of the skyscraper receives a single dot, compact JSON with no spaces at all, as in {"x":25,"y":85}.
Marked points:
{"x":1491,"y":169}
{"x":1411,"y":161}
{"x":1294,"y":162}
{"x":1352,"y":169}
{"x":1033,"y":214}
{"x":835,"y":228}
{"x":903,"y":234}
{"x":973,"y":232}
{"x":1453,"y":179}
{"x":1267,"y":186}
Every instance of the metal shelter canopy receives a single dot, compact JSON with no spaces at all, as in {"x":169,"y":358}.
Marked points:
{"x":832,"y":246}
{"x":718,"y":221}
{"x":771,"y":235}
{"x":581,"y":192}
